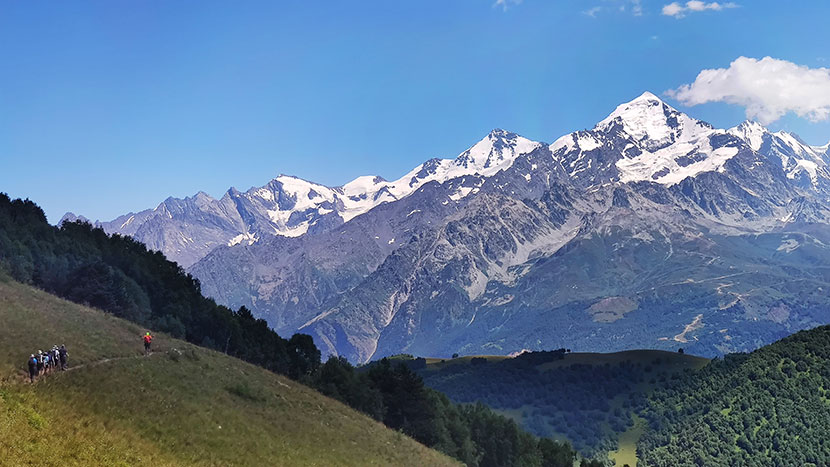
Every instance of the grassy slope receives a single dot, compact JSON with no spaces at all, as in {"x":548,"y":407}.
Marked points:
{"x":186,"y":407}
{"x":626,"y":453}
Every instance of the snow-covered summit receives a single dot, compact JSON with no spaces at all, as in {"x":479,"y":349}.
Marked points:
{"x":652,"y":123}
{"x":757,"y":136}
{"x":642,"y":140}
{"x":293,"y":205}
{"x":648,"y":140}
{"x":798,"y":159}
{"x":496,"y":151}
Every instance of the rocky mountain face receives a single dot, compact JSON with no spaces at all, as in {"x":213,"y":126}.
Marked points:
{"x":186,"y":230}
{"x":652,"y":229}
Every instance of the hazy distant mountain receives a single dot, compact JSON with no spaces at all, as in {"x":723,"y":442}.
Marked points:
{"x":652,"y":229}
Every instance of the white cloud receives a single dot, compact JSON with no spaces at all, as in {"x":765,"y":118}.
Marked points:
{"x":592,"y":12}
{"x":505,"y":4}
{"x":767,"y":88}
{"x":636,"y":8}
{"x":678,"y":11}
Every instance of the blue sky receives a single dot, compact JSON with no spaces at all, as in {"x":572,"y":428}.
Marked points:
{"x":108,"y":107}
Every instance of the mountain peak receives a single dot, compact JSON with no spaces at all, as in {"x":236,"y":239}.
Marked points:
{"x":646,"y":96}
{"x":651,"y":121}
{"x":752,"y":132}
{"x":644,"y":109}
{"x":495,"y":151}
{"x":500,"y":133}
{"x":71,"y":217}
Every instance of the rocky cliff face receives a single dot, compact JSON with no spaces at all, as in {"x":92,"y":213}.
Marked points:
{"x":652,"y":229}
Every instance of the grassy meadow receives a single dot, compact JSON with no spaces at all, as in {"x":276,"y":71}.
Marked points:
{"x":184,"y":405}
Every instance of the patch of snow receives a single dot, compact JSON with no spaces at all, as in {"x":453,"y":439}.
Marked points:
{"x":648,"y":165}
{"x":805,"y":165}
{"x":567,"y":142}
{"x":245,"y":237}
{"x":280,"y":219}
{"x":588,"y":142}
{"x":128,"y":222}
{"x":788,"y":245}
{"x":265,"y":194}
{"x":461,"y":193}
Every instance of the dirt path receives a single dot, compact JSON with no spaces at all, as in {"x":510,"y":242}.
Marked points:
{"x":696,"y":324}
{"x":106,"y":360}
{"x":23,"y":376}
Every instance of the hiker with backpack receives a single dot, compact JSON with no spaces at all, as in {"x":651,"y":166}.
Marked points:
{"x":62,"y":355}
{"x":46,"y":364}
{"x":148,"y":340}
{"x":32,"y":368}
{"x":40,"y":362}
{"x":55,"y":356}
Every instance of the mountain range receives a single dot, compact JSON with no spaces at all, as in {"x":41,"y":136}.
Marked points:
{"x":653,"y":229}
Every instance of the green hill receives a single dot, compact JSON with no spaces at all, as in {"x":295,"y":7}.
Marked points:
{"x":653,"y":408}
{"x":769,"y":407}
{"x":588,"y":399}
{"x":184,"y":405}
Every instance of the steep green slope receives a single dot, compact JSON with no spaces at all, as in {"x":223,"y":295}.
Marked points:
{"x":588,"y":399}
{"x":770,"y":407}
{"x":184,"y":405}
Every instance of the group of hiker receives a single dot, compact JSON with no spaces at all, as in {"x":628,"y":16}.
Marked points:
{"x":46,"y":362}
{"x":41,"y":363}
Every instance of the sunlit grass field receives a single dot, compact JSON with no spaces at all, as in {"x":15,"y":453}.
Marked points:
{"x":184,"y":405}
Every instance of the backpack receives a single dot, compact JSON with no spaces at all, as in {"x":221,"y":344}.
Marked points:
{"x":148,"y":339}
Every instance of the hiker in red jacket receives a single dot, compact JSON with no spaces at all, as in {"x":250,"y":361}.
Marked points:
{"x":148,"y":339}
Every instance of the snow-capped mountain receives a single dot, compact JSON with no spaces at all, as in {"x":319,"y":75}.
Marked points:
{"x":652,"y":229}
{"x":185,"y":230}
{"x":800,"y":161}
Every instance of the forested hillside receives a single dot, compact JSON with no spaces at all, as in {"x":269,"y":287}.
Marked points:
{"x":769,"y":407}
{"x":119,"y":275}
{"x":587,"y":399}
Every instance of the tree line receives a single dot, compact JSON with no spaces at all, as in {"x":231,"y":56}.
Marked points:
{"x":121,"y":276}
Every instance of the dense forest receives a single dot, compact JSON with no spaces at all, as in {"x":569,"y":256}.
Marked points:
{"x":119,"y":275}
{"x":587,"y":399}
{"x":769,"y":407}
